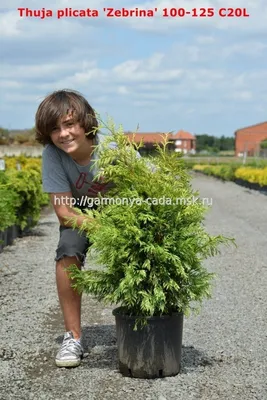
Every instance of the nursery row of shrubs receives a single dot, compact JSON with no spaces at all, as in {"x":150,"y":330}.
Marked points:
{"x":256,"y":177}
{"x":233,"y":161}
{"x":21,"y":197}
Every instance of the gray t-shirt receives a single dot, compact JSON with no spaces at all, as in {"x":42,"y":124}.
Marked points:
{"x":60,"y":173}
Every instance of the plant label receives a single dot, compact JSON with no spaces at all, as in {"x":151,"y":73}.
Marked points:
{"x":2,"y":165}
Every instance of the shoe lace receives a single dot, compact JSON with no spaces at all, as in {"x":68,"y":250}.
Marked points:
{"x":70,"y":345}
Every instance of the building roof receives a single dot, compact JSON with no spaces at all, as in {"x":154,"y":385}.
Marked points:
{"x":183,"y":135}
{"x":251,"y":126}
{"x":148,"y":137}
{"x":152,"y":137}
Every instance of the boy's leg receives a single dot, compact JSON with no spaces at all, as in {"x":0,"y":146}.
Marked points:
{"x":69,"y":299}
{"x":72,"y":249}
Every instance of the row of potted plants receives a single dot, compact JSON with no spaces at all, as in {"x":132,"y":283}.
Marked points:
{"x":22,"y":162}
{"x":252,"y":175}
{"x":235,"y":161}
{"x":248,"y":176}
{"x":8,"y":235}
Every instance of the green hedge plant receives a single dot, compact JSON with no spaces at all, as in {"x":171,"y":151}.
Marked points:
{"x":152,"y":255}
{"x":28,"y":187}
{"x":21,"y":197}
{"x":9,"y":201}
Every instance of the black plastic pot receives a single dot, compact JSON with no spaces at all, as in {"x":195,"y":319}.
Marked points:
{"x":16,"y":230}
{"x":2,"y":240}
{"x":10,"y":237}
{"x":5,"y":238}
{"x":150,"y":352}
{"x":251,"y":185}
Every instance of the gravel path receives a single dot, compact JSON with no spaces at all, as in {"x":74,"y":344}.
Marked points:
{"x":224,"y":348}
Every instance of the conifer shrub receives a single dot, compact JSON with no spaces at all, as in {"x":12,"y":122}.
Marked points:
{"x":152,"y":251}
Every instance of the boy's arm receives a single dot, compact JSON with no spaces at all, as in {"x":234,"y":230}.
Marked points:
{"x":62,"y":205}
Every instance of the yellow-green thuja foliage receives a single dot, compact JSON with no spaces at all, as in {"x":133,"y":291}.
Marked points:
{"x":22,"y":162}
{"x":253,"y":175}
{"x":223,"y":171}
{"x":232,"y":172}
{"x":151,"y":253}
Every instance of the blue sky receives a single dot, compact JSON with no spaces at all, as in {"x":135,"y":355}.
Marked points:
{"x":202,"y":75}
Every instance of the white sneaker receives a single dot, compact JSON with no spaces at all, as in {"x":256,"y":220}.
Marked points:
{"x":71,"y":352}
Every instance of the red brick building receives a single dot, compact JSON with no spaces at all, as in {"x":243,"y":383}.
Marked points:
{"x":248,"y":140}
{"x":180,"y":141}
{"x":185,"y":141}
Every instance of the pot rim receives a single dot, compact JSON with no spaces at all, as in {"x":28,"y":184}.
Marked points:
{"x":116,"y":312}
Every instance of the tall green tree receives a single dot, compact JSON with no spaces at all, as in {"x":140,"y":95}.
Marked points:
{"x":214,"y":143}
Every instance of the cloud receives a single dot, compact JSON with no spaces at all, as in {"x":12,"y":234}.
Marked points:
{"x":31,"y":72}
{"x":243,"y":95}
{"x":249,"y":48}
{"x":123,"y":90}
{"x":9,"y":24}
{"x":205,"y":39}
{"x":10,"y":84}
{"x":149,"y":69}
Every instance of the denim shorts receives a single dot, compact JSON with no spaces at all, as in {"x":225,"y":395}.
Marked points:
{"x":72,"y":243}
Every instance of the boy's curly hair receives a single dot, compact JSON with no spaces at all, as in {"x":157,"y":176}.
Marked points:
{"x":58,"y":105}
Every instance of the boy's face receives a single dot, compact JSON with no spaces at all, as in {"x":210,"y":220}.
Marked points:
{"x":68,"y":135}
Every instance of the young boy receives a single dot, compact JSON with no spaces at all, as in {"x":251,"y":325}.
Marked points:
{"x":66,"y":125}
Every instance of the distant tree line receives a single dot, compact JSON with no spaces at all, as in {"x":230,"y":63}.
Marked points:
{"x":214,"y":144}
